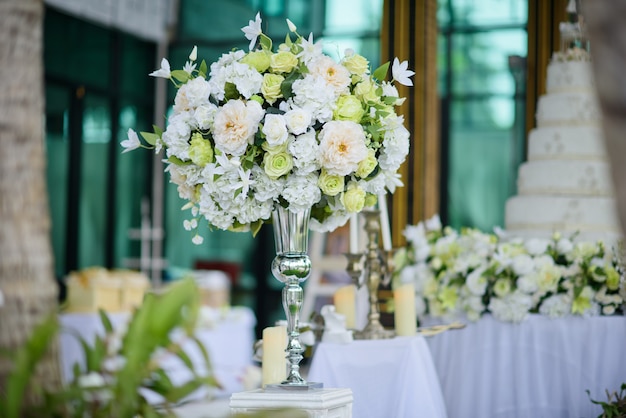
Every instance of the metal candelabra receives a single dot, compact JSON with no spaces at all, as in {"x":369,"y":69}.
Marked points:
{"x":372,"y":268}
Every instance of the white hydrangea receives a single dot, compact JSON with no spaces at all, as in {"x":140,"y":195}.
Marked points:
{"x":556,"y":306}
{"x":305,"y":151}
{"x":302,"y":192}
{"x":511,"y":308}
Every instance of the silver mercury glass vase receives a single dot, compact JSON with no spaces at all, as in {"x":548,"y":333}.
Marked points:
{"x":292,"y":266}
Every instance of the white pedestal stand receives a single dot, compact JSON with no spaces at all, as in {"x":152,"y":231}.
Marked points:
{"x":317,"y":403}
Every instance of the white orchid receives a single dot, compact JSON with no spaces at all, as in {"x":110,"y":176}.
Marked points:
{"x":401,"y":73}
{"x":132,"y":142}
{"x":164,"y":71}
{"x":253,"y":30}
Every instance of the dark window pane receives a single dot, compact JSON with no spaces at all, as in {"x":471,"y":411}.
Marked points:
{"x":490,"y":12}
{"x":481,"y":154}
{"x":57,"y":168}
{"x":94,"y":168}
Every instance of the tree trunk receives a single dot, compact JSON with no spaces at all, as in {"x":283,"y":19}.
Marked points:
{"x":26,"y":266}
{"x":607,"y":33}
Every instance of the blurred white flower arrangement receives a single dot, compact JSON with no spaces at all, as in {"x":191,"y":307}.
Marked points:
{"x":468,"y":273}
{"x":288,"y":126}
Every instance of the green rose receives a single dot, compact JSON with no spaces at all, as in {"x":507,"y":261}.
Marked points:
{"x":502,"y":287}
{"x":259,"y":60}
{"x":353,"y":199}
{"x":448,"y":297}
{"x":331,"y":185}
{"x":580,"y":304}
{"x":283,"y":62}
{"x":356,"y":64}
{"x":271,"y":87}
{"x":276,"y":165}
{"x":366,"y":91}
{"x":612,"y":278}
{"x":275,"y":149}
{"x":370,"y":200}
{"x":200,"y":150}
{"x":367,"y":165}
{"x":349,"y":108}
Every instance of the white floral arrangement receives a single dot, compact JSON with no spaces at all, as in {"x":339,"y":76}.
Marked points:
{"x":290,"y":127}
{"x":468,"y":273}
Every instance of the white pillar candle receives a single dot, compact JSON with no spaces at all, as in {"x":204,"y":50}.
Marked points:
{"x":273,"y":360}
{"x":354,"y":233}
{"x":345,"y":304}
{"x":384,"y":222}
{"x":404,"y":315}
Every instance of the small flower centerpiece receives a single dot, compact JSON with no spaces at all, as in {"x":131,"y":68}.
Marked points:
{"x":288,"y":126}
{"x":468,"y":273}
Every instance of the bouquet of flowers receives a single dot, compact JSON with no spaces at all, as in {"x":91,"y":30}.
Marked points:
{"x":290,"y":127}
{"x":469,"y":273}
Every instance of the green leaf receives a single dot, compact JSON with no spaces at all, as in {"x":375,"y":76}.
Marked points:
{"x":160,"y":382}
{"x":381,"y":72}
{"x":288,"y":41}
{"x":180,"y":75}
{"x":255,"y":227}
{"x":157,"y":130}
{"x":230,"y":91}
{"x":106,"y":322}
{"x":203,"y":68}
{"x":25,"y":362}
{"x":266,"y":42}
{"x":151,"y":138}
{"x":204,"y":352}
{"x":286,"y":85}
{"x":184,"y":357}
{"x":175,"y":160}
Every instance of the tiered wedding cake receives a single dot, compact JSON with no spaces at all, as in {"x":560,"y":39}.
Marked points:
{"x":565,"y":185}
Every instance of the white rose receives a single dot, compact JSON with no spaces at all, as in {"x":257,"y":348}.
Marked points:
{"x":298,"y":120}
{"x":275,"y":129}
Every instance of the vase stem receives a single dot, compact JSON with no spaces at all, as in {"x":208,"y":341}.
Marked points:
{"x":291,"y":266}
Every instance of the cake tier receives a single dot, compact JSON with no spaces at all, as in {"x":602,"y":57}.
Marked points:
{"x":570,"y":76}
{"x":566,"y":143}
{"x":563,"y":177}
{"x":587,"y":215}
{"x":566,"y":109}
{"x":611,"y":239}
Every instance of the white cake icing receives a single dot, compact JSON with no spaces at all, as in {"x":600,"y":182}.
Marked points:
{"x":569,"y":76}
{"x":565,"y":186}
{"x":562,"y":109}
{"x":591,"y":216}
{"x":566,"y":143}
{"x":563,"y":177}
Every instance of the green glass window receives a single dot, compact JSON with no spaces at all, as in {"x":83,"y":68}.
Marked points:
{"x":481,"y":84}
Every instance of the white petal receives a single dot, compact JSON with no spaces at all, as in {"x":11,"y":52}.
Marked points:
{"x":291,"y":26}
{"x":194,"y":53}
{"x":132,"y":142}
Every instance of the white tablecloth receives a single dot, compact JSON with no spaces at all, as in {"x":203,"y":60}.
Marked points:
{"x":229,"y":343}
{"x":392,"y":378}
{"x":538,"y":368}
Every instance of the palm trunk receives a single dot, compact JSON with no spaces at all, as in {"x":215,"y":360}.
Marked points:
{"x":26,"y":266}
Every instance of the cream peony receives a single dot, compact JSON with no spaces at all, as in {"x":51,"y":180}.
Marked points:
{"x":336,"y":75}
{"x":342,"y":147}
{"x":235,"y":125}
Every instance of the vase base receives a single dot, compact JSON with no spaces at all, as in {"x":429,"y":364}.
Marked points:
{"x":295,"y":386}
